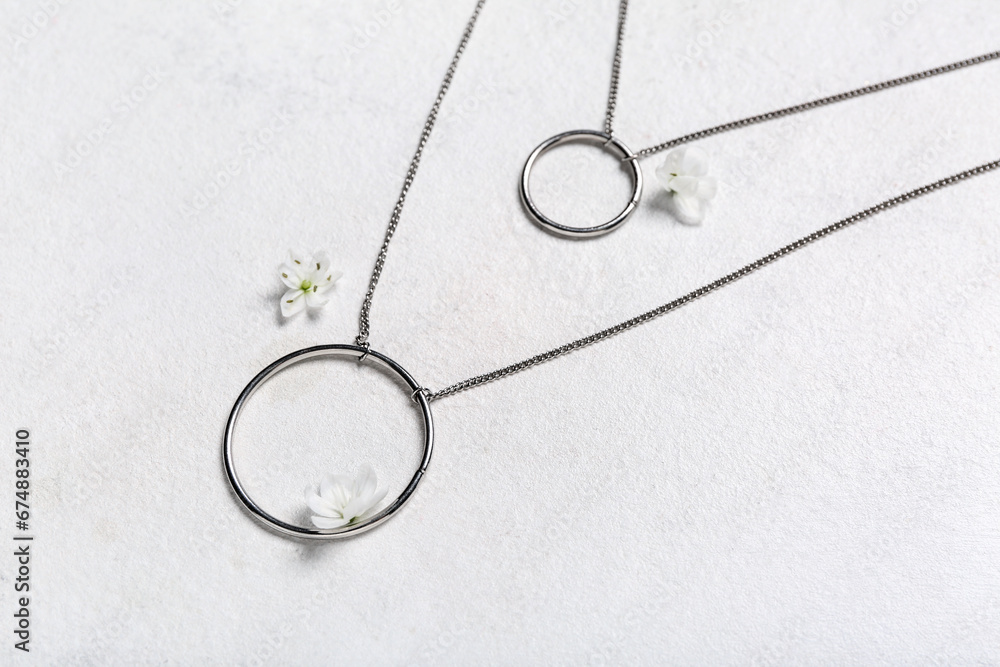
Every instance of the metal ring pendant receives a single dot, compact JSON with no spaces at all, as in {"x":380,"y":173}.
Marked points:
{"x":383,"y":515}
{"x":591,"y":136}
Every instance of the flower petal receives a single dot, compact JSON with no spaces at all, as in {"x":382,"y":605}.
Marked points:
{"x":292,"y":302}
{"x":686,"y":186}
{"x":320,"y":266}
{"x":320,"y":505}
{"x":316,"y":299}
{"x":299,"y":263}
{"x":328,"y":280}
{"x":673,"y":160}
{"x":664,"y":176}
{"x":336,"y":489}
{"x":356,"y":508}
{"x":366,"y":482}
{"x":326,"y":523}
{"x":290,"y":277}
{"x":689,"y":209}
{"x":376,"y":499}
{"x":707,"y":187}
{"x":367,"y":505}
{"x":694,"y":161}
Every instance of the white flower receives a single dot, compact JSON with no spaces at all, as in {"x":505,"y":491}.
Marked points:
{"x":684,"y":175}
{"x":307,"y":279}
{"x":341,"y":500}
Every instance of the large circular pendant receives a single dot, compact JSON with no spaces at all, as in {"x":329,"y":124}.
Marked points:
{"x":604,"y":140}
{"x":360,"y":353}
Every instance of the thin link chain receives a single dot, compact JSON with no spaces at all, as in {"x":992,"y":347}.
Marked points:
{"x":710,"y":287}
{"x":770,"y":115}
{"x":364,"y":322}
{"x":609,"y":115}
{"x":823,"y":101}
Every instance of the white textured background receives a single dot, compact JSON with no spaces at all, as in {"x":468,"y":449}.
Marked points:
{"x":802,"y":468}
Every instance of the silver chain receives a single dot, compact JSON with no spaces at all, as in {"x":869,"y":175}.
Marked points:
{"x":823,"y":101}
{"x":364,"y":321}
{"x":770,"y":115}
{"x":616,"y":66}
{"x":710,"y":287}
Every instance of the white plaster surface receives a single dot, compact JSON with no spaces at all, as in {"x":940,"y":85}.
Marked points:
{"x":800,"y":469}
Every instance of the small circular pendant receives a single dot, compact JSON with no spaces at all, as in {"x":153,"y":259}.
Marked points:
{"x":604,"y":140}
{"x":360,"y":353}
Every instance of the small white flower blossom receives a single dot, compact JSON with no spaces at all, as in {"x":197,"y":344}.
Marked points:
{"x":307,"y":279}
{"x":341,"y":500}
{"x":684,"y":175}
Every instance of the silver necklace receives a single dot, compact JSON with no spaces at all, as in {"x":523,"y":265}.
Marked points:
{"x":605,"y":138}
{"x":361,"y":350}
